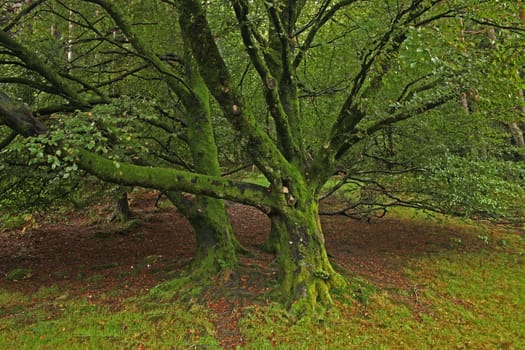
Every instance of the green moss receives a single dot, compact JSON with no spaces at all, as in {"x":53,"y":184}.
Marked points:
{"x":11,"y":221}
{"x":47,"y":292}
{"x":18,"y":274}
{"x":182,"y":287}
{"x":168,"y":179}
{"x":306,"y":275}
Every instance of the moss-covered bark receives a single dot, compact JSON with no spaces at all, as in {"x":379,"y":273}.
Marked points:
{"x":166,"y":179}
{"x":271,"y":245}
{"x":306,"y":275}
{"x":18,"y":117}
{"x":215,"y":244}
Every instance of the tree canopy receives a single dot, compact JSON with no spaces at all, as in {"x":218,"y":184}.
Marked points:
{"x":412,"y":103}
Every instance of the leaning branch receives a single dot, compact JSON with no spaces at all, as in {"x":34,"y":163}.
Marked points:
{"x":167,"y":179}
{"x":19,"y":118}
{"x":5,"y":142}
{"x":62,"y":86}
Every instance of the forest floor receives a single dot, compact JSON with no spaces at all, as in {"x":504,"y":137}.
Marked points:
{"x":83,"y":255}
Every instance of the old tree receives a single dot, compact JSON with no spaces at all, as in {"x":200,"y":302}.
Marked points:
{"x":137,"y":93}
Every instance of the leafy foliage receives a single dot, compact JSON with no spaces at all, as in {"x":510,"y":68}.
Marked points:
{"x":402,"y":98}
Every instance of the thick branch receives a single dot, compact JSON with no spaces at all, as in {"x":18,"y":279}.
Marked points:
{"x":166,"y":179}
{"x":269,"y":82}
{"x":21,"y":120}
{"x":18,"y":117}
{"x":218,"y":79}
{"x":5,"y":142}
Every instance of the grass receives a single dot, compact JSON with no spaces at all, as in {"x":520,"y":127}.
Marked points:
{"x":457,"y":299}
{"x":10,"y":221}
{"x":464,"y":301}
{"x":50,"y":321}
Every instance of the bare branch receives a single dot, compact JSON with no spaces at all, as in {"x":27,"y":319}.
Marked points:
{"x":24,"y":12}
{"x":176,"y":83}
{"x":319,"y":20}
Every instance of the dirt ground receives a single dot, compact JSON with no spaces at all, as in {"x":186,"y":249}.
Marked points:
{"x":90,"y":257}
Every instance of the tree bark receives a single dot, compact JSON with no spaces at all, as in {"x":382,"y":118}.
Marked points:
{"x":216,"y":245}
{"x":517,"y":130}
{"x":306,"y":275}
{"x":122,"y":212}
{"x":519,"y":139}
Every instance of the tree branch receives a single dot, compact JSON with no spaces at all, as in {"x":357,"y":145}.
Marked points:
{"x":167,"y":179}
{"x":30,"y":83}
{"x":8,"y":140}
{"x":269,"y":82}
{"x":319,"y":20}
{"x":358,"y":135}
{"x":21,"y":120}
{"x":63,"y":87}
{"x":26,"y":10}
{"x":18,"y":117}
{"x":218,"y":79}
{"x":175,"y":82}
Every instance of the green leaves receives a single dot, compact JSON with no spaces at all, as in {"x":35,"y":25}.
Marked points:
{"x":488,"y":189}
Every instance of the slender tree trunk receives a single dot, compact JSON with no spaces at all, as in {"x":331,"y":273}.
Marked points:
{"x":517,"y":130}
{"x":519,"y":139}
{"x":479,"y":149}
{"x":122,"y":213}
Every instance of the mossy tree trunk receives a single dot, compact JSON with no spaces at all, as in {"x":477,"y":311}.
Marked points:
{"x":306,"y":275}
{"x":216,"y":245}
{"x":215,"y":242}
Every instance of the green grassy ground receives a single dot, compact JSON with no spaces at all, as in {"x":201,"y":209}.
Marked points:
{"x":463,"y":301}
{"x":48,"y":320}
{"x":458,"y":299}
